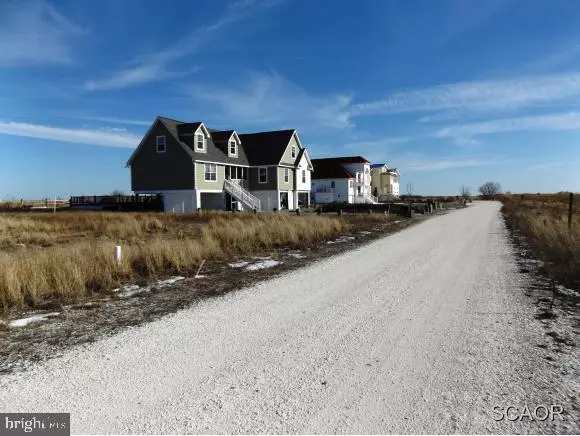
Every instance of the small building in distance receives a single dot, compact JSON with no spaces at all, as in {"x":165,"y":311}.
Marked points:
{"x":385,"y":182}
{"x":342,"y":180}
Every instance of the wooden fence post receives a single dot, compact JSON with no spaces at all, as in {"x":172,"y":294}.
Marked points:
{"x":570,"y":208}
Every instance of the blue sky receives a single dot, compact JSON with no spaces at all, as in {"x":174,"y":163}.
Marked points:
{"x":450,"y":92}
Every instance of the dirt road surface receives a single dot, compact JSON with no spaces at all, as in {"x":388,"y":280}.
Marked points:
{"x":422,"y":331}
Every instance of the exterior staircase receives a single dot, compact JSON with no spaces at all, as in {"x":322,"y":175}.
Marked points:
{"x":239,"y":193}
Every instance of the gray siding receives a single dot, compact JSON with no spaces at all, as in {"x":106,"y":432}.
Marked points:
{"x":272,"y":178}
{"x":152,"y":171}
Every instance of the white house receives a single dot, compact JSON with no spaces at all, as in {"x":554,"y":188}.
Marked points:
{"x":385,"y":182}
{"x":342,"y":180}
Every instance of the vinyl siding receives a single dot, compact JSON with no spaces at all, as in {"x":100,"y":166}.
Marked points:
{"x":152,"y":171}
{"x":283,"y":186}
{"x":287,"y":156}
{"x":201,"y":183}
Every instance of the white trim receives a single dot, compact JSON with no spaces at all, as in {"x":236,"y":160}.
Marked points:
{"x":205,"y":172}
{"x":203,"y":149}
{"x":205,"y":131}
{"x":164,"y":143}
{"x":266,"y":181}
{"x":235,"y":144}
{"x":225,"y":163}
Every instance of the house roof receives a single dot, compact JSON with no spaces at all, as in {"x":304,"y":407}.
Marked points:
{"x":221,"y":135}
{"x":344,"y":159}
{"x":378,"y":165}
{"x":261,"y":148}
{"x":266,"y":148}
{"x":329,"y":169}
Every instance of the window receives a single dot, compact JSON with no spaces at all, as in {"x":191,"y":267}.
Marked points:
{"x":233,"y":148}
{"x":293,"y":151}
{"x":210,"y":172}
{"x":303,"y":176}
{"x":332,"y":185}
{"x":160,"y":143}
{"x":286,"y":175}
{"x":244,"y":174}
{"x":350,"y":183}
{"x":200,"y":142}
{"x":262,"y":175}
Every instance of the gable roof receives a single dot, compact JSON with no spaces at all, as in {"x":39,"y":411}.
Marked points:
{"x":329,"y":169}
{"x":344,"y":159}
{"x":260,"y":148}
{"x":378,"y":165}
{"x":221,"y":135}
{"x":266,"y":148}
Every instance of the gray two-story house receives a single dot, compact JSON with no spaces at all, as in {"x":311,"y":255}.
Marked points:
{"x":195,"y":168}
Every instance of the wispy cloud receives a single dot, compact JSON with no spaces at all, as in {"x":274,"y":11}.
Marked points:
{"x":546,"y":165}
{"x":446,"y":163}
{"x":467,"y":132}
{"x":106,"y":138}
{"x":478,"y":96}
{"x":269,"y":99}
{"x":35,"y":33}
{"x":155,"y":66}
{"x":126,"y":121}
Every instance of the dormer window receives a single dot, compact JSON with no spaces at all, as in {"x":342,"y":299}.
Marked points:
{"x":160,"y":144}
{"x":199,"y":142}
{"x":233,"y":148}
{"x":293,"y":151}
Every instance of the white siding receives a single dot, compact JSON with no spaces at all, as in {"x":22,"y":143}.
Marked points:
{"x":303,"y":166}
{"x":340,"y":193}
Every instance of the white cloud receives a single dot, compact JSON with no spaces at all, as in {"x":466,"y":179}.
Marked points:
{"x":127,"y":121}
{"x":478,"y":96}
{"x":154,"y":67}
{"x":104,"y":138}
{"x":35,"y":33}
{"x":463,"y":132}
{"x":439,"y":164}
{"x":271,"y":100}
{"x":546,"y":165}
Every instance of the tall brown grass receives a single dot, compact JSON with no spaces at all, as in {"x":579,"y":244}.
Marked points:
{"x":162,"y":244}
{"x":543,"y":220}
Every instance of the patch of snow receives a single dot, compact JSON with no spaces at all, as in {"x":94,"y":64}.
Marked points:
{"x":23,"y":322}
{"x":567,"y":291}
{"x":365,"y":233}
{"x":130,"y":290}
{"x":169,"y":281}
{"x":262,"y":258}
{"x":341,"y":239}
{"x":263,"y":265}
{"x":296,"y":255}
{"x":239,"y":264}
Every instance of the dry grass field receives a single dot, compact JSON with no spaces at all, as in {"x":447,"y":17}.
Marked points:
{"x":68,"y":255}
{"x":543,"y":220}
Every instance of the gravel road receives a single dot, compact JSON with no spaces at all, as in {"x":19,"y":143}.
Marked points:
{"x":422,"y":331}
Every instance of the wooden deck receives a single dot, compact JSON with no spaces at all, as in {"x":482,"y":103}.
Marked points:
{"x":118,"y":202}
